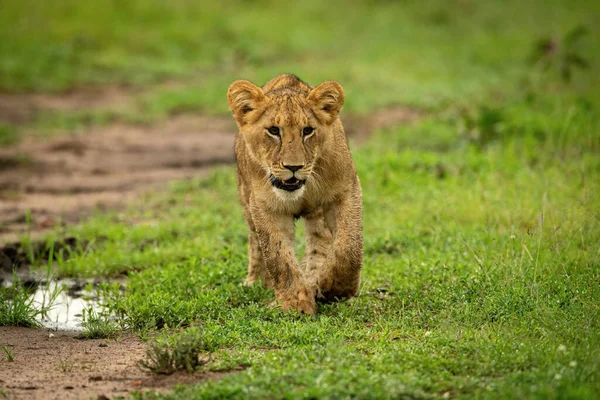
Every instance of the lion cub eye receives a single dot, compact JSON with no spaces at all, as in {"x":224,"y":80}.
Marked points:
{"x":308,"y":130}
{"x":273,"y":130}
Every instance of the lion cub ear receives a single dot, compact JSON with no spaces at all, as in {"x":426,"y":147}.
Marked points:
{"x":328,"y":99}
{"x":243,"y":97}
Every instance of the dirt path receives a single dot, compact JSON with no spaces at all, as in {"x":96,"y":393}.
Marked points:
{"x":17,"y":108}
{"x":56,"y":365}
{"x":59,"y":180}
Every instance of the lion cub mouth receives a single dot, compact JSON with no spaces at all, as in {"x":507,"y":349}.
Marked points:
{"x":289,"y":185}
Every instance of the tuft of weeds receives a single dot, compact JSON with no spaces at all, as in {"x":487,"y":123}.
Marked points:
{"x":187,"y":351}
{"x":482,"y":125}
{"x":8,"y":134}
{"x":18,"y":306}
{"x":98,"y":325}
{"x":563,"y":54}
{"x":66,"y":364}
{"x":9,"y":354}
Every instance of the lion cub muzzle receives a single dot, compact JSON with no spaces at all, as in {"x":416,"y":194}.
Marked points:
{"x":289,"y":185}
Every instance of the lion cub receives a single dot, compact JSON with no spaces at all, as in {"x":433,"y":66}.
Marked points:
{"x":293,"y":161}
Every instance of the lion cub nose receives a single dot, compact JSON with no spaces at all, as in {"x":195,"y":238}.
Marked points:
{"x":293,"y":168}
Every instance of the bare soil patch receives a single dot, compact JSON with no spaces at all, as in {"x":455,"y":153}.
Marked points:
{"x":60,"y":179}
{"x":57,"y":365}
{"x":17,"y":108}
{"x":44,"y":183}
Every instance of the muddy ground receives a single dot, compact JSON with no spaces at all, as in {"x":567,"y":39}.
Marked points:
{"x":55,"y":181}
{"x":57,"y":365}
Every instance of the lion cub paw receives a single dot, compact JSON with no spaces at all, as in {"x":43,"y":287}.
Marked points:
{"x":249,"y":281}
{"x":304,"y":302}
{"x":330,"y":289}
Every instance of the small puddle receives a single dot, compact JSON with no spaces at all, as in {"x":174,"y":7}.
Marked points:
{"x":65,"y":301}
{"x":68,"y":307}
{"x":69,"y":300}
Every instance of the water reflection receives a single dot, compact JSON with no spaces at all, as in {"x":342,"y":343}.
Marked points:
{"x":67,"y":311}
{"x":69,"y":299}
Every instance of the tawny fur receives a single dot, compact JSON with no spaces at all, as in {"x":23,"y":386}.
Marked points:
{"x":330,"y":201}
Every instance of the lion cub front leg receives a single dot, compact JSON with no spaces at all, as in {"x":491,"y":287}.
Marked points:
{"x":318,"y":245}
{"x":340,"y":275}
{"x":276,"y":237}
{"x":256,"y":264}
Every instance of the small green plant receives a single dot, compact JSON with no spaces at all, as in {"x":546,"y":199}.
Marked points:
{"x":187,"y":351}
{"x":98,"y":325}
{"x":18,"y":306}
{"x":10,"y":356}
{"x":482,"y":125}
{"x":8,"y":134}
{"x":562,"y":54}
{"x":66,"y":364}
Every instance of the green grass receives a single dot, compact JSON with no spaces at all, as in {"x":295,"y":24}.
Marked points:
{"x":18,"y":306}
{"x":481,"y":275}
{"x":8,"y":134}
{"x":98,"y":325}
{"x":67,"y":44}
{"x":168,"y":353}
{"x":8,"y":354}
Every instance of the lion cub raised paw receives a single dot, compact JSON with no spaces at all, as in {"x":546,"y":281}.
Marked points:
{"x":293,"y":161}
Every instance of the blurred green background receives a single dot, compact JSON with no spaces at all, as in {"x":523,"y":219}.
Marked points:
{"x":428,"y":54}
{"x":385,"y":52}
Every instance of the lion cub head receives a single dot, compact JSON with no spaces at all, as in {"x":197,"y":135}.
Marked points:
{"x":286,"y":125}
